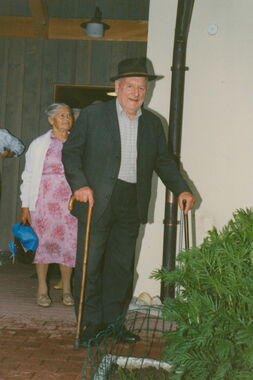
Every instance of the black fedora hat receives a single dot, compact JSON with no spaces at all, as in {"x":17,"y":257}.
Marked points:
{"x":134,"y":67}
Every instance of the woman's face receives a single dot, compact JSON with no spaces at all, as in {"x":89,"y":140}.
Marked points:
{"x":62,"y":120}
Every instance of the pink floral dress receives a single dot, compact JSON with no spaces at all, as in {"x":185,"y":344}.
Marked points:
{"x":54,"y":225}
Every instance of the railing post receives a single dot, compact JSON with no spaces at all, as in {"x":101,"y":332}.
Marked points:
{"x":184,"y":12}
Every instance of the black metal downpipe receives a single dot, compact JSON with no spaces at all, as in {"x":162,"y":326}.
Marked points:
{"x":184,"y":13}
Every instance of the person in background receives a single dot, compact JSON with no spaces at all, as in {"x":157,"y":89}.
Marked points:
{"x":76,"y":113}
{"x":45,"y":194}
{"x":109,"y":159}
{"x":10,"y":146}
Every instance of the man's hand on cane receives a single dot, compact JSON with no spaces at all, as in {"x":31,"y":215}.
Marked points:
{"x":85,"y":194}
{"x":189,"y":201}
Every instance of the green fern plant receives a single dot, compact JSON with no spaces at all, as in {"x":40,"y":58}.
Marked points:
{"x":213,"y":311}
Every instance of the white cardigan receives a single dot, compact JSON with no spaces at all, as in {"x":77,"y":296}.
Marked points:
{"x":31,"y":176}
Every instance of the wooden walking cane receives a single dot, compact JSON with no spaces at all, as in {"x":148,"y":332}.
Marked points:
{"x":183,"y":235}
{"x":186,"y":227}
{"x":84,"y":269}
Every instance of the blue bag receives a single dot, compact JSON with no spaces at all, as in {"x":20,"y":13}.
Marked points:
{"x":25,"y":243}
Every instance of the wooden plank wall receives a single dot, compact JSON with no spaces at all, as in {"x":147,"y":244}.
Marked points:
{"x":30,"y":68}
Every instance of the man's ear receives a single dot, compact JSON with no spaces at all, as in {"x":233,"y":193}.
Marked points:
{"x":116,"y":86}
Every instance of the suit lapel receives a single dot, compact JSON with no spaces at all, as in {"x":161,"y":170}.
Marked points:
{"x":140,"y":131}
{"x":112,"y":123}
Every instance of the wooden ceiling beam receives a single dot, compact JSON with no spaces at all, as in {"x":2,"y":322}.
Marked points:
{"x":69,"y":29}
{"x":39,"y":17}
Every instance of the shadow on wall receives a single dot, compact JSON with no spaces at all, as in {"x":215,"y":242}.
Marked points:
{"x":154,"y":198}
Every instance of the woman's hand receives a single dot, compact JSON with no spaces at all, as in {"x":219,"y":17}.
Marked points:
{"x":25,"y":217}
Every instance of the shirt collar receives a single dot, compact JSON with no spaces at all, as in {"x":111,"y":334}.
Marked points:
{"x":121,"y":112}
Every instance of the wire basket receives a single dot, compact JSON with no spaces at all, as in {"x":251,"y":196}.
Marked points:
{"x":105,"y":350}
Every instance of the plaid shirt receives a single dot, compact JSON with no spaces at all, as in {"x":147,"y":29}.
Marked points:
{"x":128,"y":135}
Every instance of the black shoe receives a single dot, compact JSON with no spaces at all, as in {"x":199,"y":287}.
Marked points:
{"x":89,"y":335}
{"x":120,"y":333}
{"x":127,"y":336}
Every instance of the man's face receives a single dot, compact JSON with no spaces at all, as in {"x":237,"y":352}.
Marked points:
{"x":131,"y":94}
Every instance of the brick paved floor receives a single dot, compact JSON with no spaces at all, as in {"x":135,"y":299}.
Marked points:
{"x":37,"y":343}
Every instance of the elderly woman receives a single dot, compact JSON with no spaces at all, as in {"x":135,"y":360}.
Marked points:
{"x":44,"y":195}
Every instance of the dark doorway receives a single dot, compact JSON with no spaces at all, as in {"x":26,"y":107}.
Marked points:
{"x":77,"y":96}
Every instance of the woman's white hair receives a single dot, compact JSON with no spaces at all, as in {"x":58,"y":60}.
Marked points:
{"x":51,"y":110}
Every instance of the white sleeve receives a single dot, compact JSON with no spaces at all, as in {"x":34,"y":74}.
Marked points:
{"x":26,"y":177}
{"x":10,"y":142}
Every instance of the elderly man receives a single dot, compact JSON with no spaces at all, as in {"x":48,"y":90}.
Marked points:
{"x":109,"y":160}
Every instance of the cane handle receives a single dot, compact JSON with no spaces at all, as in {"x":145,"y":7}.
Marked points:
{"x":71,"y":202}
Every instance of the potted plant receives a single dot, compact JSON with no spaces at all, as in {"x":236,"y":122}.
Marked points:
{"x":213,"y":311}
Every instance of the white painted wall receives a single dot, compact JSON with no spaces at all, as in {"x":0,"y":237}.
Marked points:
{"x":217,"y":133}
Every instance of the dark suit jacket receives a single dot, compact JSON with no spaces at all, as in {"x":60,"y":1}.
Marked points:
{"x":92,"y":153}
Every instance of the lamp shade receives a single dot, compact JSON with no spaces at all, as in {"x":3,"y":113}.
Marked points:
{"x":95,"y":27}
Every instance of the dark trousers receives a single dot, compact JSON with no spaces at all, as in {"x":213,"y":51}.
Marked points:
{"x":109,"y":276}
